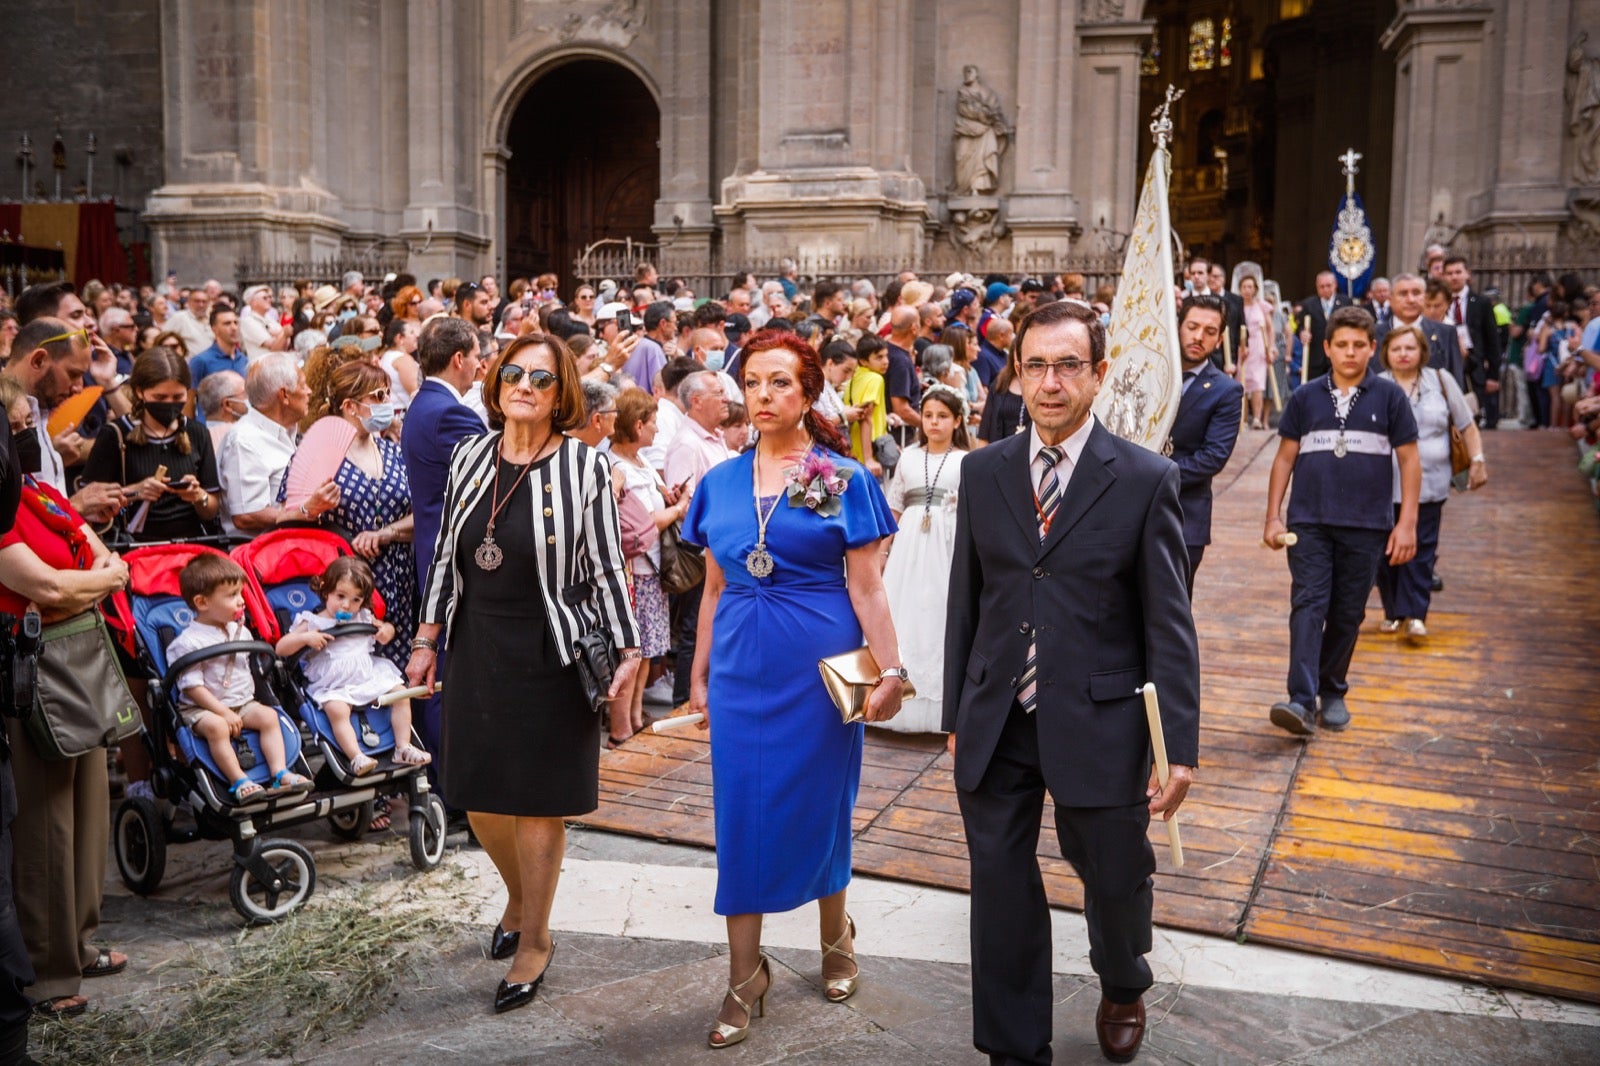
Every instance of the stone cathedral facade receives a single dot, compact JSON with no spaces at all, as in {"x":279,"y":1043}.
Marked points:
{"x":510,"y":135}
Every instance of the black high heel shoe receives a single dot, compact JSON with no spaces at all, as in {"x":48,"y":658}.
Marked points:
{"x":511,"y":996}
{"x":504,"y":944}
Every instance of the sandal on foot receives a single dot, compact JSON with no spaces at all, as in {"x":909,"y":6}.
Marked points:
{"x":380,"y":817}
{"x":613,"y":743}
{"x":244,"y":790}
{"x":61,"y":1007}
{"x":725,"y":1035}
{"x":411,"y":755}
{"x":362,"y":765}
{"x":288,"y":781}
{"x":839,"y":989}
{"x":106,"y":964}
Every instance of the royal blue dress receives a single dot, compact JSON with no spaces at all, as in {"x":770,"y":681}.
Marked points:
{"x":784,"y":768}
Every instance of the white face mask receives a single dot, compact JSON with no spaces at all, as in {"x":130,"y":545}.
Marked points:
{"x":714,"y":358}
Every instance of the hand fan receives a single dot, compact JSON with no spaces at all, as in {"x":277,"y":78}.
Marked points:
{"x":318,"y":457}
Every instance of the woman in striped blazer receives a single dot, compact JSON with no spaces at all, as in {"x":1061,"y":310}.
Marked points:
{"x":528,"y":559}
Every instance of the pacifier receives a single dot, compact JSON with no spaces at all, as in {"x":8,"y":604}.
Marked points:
{"x":342,"y":616}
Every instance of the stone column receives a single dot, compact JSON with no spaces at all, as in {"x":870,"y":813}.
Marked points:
{"x":1443,"y":141}
{"x":1106,"y":121}
{"x":830,"y":176}
{"x":684,"y":221}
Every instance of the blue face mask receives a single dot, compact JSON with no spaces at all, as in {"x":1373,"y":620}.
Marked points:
{"x":714,"y":358}
{"x":342,"y":616}
{"x":380,"y":419}
{"x":1105,"y":320}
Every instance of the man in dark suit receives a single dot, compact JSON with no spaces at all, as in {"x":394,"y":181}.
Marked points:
{"x":1207,"y":425}
{"x":1313,"y":313}
{"x":1227,"y":354}
{"x":1377,"y":302}
{"x":1077,"y":598}
{"x":1471,"y":314}
{"x":1405,"y":309}
{"x":436,"y":421}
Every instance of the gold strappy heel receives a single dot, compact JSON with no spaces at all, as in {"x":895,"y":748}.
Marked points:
{"x":839,"y":989}
{"x":725,"y":1035}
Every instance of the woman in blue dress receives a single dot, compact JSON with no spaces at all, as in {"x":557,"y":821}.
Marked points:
{"x":788,"y":581}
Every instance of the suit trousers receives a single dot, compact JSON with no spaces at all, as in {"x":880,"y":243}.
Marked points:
{"x":60,"y":836}
{"x":1011,"y":949}
{"x":685,"y":627}
{"x":1407,"y":589}
{"x":1197,"y":552}
{"x":1333,"y":569}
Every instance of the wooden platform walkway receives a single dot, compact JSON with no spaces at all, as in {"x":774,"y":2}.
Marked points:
{"x":1453,"y":829}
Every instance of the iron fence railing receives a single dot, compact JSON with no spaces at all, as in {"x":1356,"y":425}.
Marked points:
{"x":329,"y":271}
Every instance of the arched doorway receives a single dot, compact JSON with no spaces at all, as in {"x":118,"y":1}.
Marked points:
{"x":584,"y":165}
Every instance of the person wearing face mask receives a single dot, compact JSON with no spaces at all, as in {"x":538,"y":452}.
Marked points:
{"x":163,"y":461}
{"x":710,"y":349}
{"x":374,"y":508}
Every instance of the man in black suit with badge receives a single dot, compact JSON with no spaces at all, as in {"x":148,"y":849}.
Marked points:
{"x":1313,"y":315}
{"x":1077,"y":599}
{"x":1471,"y":314}
{"x":1405,"y":309}
{"x":1207,"y":424}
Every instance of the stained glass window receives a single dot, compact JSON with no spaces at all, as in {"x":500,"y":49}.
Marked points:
{"x":1202,"y":44}
{"x":1150,"y":58}
{"x":1225,"y":45}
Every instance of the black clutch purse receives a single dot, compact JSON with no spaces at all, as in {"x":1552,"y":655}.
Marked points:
{"x":597,"y":664}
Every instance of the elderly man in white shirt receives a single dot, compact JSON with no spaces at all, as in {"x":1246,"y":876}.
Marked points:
{"x":256,"y":453}
{"x":260,"y":330}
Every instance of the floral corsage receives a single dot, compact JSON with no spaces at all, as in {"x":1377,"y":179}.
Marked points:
{"x":816,"y":483}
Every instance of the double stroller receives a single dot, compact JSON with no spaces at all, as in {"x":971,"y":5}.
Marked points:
{"x":271,"y":877}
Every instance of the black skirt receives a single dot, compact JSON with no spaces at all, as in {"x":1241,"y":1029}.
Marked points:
{"x":517,"y":736}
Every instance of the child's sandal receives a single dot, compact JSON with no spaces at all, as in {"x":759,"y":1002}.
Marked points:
{"x":286,"y":781}
{"x":362,"y":765}
{"x":411,"y":755}
{"x":244,"y":790}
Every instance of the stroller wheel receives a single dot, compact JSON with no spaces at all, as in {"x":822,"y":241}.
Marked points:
{"x":272,"y":882}
{"x":351,"y":823}
{"x":427,"y":832}
{"x":140,"y":840}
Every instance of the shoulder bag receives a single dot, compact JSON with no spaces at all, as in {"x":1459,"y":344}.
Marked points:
{"x":81,"y":701}
{"x":1460,"y":458}
{"x":683,"y":565}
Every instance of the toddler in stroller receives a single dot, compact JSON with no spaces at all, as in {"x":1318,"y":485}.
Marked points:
{"x":216,"y":698}
{"x":342,"y":672}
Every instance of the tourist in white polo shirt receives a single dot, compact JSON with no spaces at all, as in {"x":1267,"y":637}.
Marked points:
{"x":257,"y":452}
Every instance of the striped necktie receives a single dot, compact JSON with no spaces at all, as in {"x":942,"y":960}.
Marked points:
{"x":1048,"y":499}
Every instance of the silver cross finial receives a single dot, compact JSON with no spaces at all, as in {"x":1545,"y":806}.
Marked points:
{"x":1161,"y":128}
{"x":1347,"y":166}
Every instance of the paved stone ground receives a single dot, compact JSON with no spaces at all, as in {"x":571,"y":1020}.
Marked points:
{"x":648,"y":998}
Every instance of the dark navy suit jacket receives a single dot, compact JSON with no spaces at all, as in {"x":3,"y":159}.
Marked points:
{"x":435,"y":423}
{"x":1106,"y":596}
{"x":1444,"y":351}
{"x":1203,"y":436}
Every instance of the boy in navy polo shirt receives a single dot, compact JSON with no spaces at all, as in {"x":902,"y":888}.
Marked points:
{"x":1338,"y":432}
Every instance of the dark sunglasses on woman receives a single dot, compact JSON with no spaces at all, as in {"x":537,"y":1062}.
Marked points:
{"x":512,"y":375}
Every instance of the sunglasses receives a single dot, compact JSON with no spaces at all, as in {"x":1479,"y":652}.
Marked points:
{"x":512,"y":375}
{"x":65,"y":336}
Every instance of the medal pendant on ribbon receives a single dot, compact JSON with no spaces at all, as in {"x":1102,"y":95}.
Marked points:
{"x":1339,"y":449}
{"x":488,"y":556}
{"x":927,"y":520}
{"x":759,"y":561}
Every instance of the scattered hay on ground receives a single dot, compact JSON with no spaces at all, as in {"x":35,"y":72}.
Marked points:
{"x":322,"y":972}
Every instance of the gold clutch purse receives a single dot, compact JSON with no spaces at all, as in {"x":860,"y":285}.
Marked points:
{"x":850,"y":678}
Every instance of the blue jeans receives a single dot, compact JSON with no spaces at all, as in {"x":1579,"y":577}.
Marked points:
{"x":1333,"y":568}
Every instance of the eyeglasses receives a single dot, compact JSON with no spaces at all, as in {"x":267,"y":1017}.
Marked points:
{"x":512,"y":375}
{"x":606,"y":411}
{"x":377,"y":395}
{"x":417,"y":302}
{"x":1038,"y":369}
{"x":585,"y":295}
{"x":468,"y":289}
{"x":65,"y":336}
{"x":371,"y":333}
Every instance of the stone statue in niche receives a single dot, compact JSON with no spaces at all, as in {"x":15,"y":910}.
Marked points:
{"x":616,"y":23}
{"x":1583,"y":111}
{"x":981,"y":136}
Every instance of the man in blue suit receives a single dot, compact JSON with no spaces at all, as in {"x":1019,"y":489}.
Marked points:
{"x":1207,"y":426}
{"x":436,"y":422}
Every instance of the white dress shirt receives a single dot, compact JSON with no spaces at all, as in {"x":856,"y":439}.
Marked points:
{"x":251,"y":464}
{"x":1071,"y":450}
{"x":669,"y":420}
{"x":256,"y":332}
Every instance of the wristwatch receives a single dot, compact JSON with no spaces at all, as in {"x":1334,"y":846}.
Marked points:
{"x":898,"y":671}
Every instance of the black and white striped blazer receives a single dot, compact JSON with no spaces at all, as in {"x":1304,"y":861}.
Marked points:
{"x":582,"y":570}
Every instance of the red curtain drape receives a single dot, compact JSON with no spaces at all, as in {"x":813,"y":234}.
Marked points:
{"x":100,"y":254}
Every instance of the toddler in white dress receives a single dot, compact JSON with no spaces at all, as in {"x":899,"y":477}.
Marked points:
{"x":343,"y":673}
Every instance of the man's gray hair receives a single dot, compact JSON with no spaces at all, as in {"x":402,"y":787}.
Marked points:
{"x":215,"y":388}
{"x":1407,"y":276}
{"x":863,"y":288}
{"x":936,"y":360}
{"x":1380,"y":280}
{"x":273,"y":371}
{"x":113,"y":318}
{"x":352,"y":277}
{"x":695,"y":384}
{"x":597,"y":396}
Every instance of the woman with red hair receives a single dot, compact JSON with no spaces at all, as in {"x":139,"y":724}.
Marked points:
{"x":785,"y":525}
